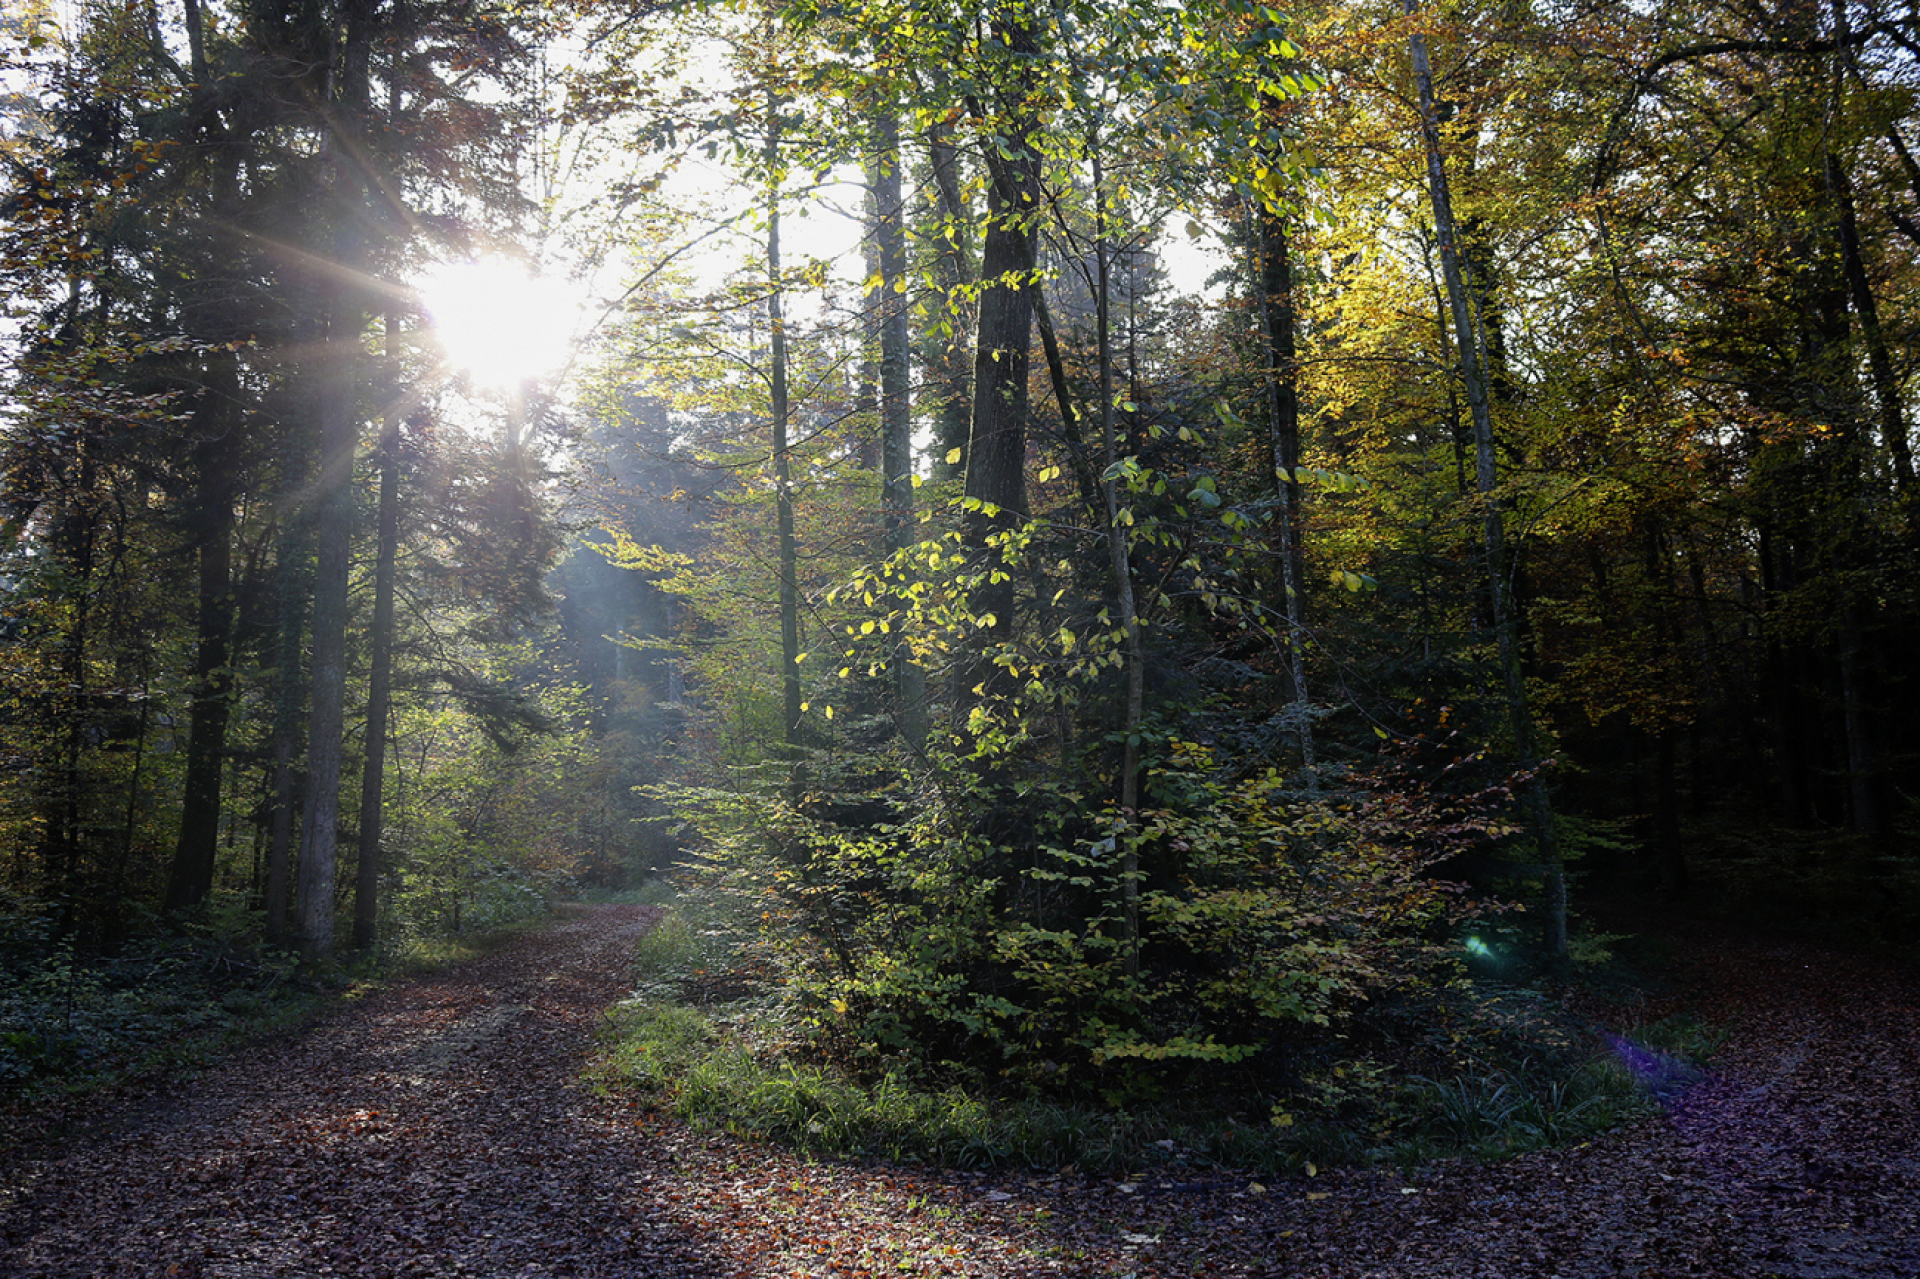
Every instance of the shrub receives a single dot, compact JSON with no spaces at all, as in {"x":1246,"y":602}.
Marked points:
{"x":68,"y":1017}
{"x":737,"y":1065}
{"x":1020,"y":934}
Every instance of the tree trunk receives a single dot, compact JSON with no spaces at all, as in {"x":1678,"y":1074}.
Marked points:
{"x":196,"y":849}
{"x":947,"y":349}
{"x":782,"y":468}
{"x":76,"y":530}
{"x":1880,"y":368}
{"x":292,"y":572}
{"x":1473,"y":375}
{"x":1119,"y":558}
{"x":366,"y":899}
{"x":326,"y":721}
{"x":1083,"y":476}
{"x":896,"y":405}
{"x":1275,"y":274}
{"x":333,"y":525}
{"x":997,"y":442}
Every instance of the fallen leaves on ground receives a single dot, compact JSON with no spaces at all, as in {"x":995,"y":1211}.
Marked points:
{"x":441,"y":1129}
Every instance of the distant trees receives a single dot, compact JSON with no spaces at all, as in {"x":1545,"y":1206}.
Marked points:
{"x":207,"y":231}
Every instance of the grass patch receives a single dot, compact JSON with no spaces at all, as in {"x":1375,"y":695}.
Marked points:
{"x":1680,"y":1035}
{"x":1525,"y":1108}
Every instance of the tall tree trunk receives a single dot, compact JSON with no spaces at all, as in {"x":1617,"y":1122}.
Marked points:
{"x":1275,"y":275}
{"x":366,"y":897}
{"x":76,"y":539}
{"x":1473,"y":374}
{"x":997,"y":442}
{"x":1119,"y":558}
{"x":896,"y":405}
{"x":782,"y":466}
{"x":326,"y":720}
{"x":1880,"y":368}
{"x":947,"y":347}
{"x":1077,"y":459}
{"x":196,"y":849}
{"x":293,"y":576}
{"x":333,"y":525}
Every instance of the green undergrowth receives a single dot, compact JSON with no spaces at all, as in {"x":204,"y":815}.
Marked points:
{"x":174,"y":996}
{"x":1499,"y":1070}
{"x":73,"y":1022}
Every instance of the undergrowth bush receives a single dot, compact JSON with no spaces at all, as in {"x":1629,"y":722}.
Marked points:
{"x":1021,"y":937}
{"x":751,"y":1064}
{"x":161,"y":999}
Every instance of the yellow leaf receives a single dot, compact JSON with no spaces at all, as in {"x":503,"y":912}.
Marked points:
{"x":953,"y":457}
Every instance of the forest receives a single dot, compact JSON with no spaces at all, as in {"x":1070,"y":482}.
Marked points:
{"x":1109,"y":550}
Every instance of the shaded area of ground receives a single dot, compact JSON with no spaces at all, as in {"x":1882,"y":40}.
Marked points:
{"x":434,"y":1129}
{"x":439,"y":1129}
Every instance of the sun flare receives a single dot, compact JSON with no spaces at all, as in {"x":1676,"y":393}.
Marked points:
{"x":498,"y":322}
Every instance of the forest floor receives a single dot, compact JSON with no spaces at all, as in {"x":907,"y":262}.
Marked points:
{"x":441,"y":1128}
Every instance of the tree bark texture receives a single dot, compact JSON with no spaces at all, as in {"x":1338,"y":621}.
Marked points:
{"x":896,"y":404}
{"x":953,"y":273}
{"x":997,"y":442}
{"x":790,"y":693}
{"x":197,"y":847}
{"x":366,"y":897}
{"x":1277,"y":324}
{"x":333,"y":523}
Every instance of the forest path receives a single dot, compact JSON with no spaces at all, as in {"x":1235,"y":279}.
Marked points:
{"x":439,"y":1128}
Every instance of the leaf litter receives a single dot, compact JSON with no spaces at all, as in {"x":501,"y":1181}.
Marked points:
{"x":441,"y":1128}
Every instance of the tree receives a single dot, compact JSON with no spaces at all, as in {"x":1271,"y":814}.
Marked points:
{"x":1467,"y":330}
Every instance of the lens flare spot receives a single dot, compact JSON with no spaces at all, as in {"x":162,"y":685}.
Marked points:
{"x":498,"y":321}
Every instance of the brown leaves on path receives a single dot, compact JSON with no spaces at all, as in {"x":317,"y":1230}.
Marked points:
{"x":441,"y":1129}
{"x":434,"y":1129}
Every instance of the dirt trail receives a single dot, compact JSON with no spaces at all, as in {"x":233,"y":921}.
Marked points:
{"x":435,"y":1129}
{"x":439,"y":1129}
